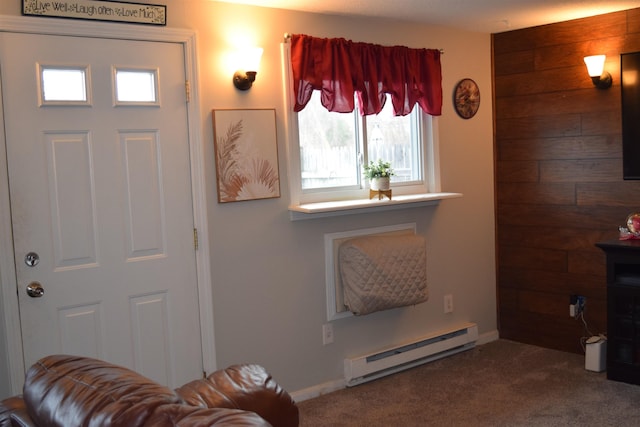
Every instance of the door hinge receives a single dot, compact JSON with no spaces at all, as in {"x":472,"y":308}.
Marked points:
{"x":195,"y":239}
{"x":204,"y":375}
{"x":187,"y":90}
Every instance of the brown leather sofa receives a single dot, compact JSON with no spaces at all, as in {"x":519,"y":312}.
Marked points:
{"x":69,"y":391}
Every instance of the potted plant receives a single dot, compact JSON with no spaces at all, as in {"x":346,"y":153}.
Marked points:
{"x":379,"y":174}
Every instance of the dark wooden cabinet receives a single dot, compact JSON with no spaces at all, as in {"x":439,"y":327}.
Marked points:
{"x":623,"y":309}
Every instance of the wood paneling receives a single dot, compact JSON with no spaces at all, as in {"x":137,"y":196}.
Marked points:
{"x":633,"y":21}
{"x":536,"y":193}
{"x":607,"y":123}
{"x":517,"y":171}
{"x":545,"y":281}
{"x":579,"y":147}
{"x":563,"y":216}
{"x":608,"y":194}
{"x":536,"y":126}
{"x":515,"y":62}
{"x":559,"y":186}
{"x":533,"y":259}
{"x":564,"y":238}
{"x":557,"y":103}
{"x":584,"y":30}
{"x":589,"y":170}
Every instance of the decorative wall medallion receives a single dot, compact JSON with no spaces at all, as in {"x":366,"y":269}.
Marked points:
{"x":466,"y":98}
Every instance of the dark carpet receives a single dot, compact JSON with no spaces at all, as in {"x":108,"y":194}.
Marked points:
{"x":502,"y":383}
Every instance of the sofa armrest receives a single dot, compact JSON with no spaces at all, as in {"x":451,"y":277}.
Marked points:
{"x":246,"y":387}
{"x":13,"y":412}
{"x":192,"y":416}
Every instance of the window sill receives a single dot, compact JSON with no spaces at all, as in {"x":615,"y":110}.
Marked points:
{"x":359,"y":206}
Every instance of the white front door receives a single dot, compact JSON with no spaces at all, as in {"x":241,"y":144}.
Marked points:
{"x":100,"y":189}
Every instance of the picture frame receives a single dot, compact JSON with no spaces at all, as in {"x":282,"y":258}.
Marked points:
{"x":246,"y":154}
{"x":98,"y":10}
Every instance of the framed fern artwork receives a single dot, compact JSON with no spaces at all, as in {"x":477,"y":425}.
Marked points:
{"x":246,"y":151}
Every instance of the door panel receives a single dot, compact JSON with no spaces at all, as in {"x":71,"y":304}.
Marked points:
{"x":72,"y":191}
{"x":101,"y":190}
{"x":144,"y":209}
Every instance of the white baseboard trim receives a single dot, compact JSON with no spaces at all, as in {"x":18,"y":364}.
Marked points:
{"x":335,"y":385}
{"x":488,"y":337}
{"x":318,"y":390}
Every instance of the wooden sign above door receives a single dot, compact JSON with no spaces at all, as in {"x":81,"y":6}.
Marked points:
{"x":98,"y":10}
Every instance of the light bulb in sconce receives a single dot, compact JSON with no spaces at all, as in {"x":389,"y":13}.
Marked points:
{"x":249,"y":60}
{"x":595,"y":67}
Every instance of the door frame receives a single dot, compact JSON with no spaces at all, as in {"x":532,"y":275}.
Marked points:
{"x":8,"y":278}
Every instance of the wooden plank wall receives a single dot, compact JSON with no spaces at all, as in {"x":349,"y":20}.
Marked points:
{"x":559,"y":186}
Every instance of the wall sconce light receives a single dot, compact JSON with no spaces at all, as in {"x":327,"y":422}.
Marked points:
{"x":249,"y":59}
{"x":595,"y":66}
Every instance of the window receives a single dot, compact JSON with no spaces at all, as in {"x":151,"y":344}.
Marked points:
{"x":327,"y":151}
{"x":137,"y":87}
{"x":335,"y":146}
{"x":63,"y":85}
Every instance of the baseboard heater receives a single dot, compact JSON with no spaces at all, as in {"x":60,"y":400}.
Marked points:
{"x":395,"y":359}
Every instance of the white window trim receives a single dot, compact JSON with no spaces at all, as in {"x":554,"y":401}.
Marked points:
{"x":302,"y":206}
{"x":114,"y":85}
{"x":87,"y":85}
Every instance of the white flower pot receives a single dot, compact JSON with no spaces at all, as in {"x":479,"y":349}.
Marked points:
{"x":380,"y":184}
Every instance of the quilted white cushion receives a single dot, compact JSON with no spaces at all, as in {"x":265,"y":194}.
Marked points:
{"x":383,"y":272}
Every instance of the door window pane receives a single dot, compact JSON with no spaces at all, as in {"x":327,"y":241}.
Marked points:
{"x":136,"y":86}
{"x":63,"y":84}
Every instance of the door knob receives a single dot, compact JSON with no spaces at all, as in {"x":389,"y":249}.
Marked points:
{"x":35,"y":290}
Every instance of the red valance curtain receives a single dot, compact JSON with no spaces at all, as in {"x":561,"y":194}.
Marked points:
{"x":340,"y":68}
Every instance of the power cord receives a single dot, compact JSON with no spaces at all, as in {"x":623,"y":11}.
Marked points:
{"x":587,"y":332}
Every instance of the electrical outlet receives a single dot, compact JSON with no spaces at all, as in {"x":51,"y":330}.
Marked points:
{"x":448,"y":303}
{"x":327,"y":333}
{"x":576,"y":305}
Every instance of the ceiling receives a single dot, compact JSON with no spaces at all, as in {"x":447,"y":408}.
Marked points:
{"x":487,"y":16}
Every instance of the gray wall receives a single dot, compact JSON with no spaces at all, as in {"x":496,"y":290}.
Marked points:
{"x":268,"y":272}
